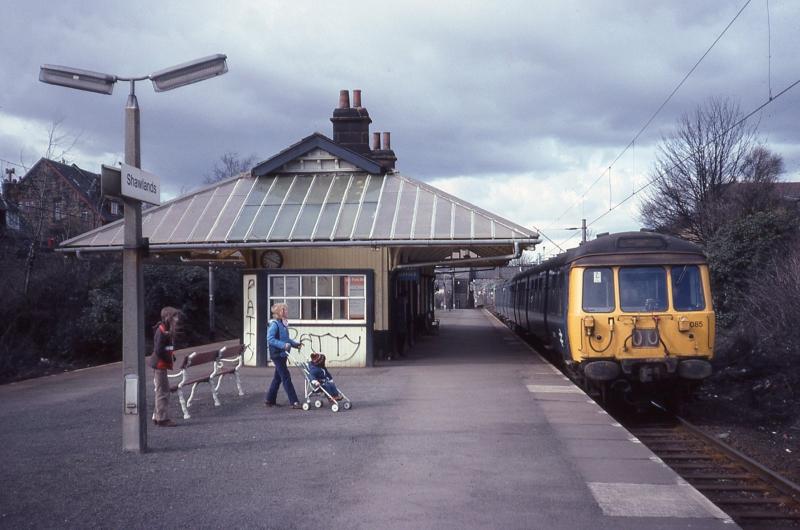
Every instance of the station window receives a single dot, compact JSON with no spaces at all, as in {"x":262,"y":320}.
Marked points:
{"x":643,"y":289}
{"x":598,"y":290}
{"x":318,"y":297}
{"x":687,"y":288}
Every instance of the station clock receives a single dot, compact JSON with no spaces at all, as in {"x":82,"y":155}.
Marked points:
{"x":271,"y":259}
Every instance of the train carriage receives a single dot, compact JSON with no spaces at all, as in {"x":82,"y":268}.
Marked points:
{"x":629,"y":311}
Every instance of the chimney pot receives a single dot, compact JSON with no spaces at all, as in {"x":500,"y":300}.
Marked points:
{"x":357,"y":98}
{"x":387,"y":144}
{"x":376,"y":141}
{"x":344,"y":99}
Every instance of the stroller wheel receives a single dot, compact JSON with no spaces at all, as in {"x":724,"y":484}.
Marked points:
{"x":335,"y":407}
{"x":306,"y":406}
{"x":347,"y":405}
{"x":318,"y":403}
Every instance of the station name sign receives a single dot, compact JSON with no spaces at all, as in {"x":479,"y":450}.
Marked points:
{"x":139,"y":184}
{"x":132,"y":182}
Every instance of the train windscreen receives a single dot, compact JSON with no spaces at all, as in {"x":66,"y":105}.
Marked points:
{"x":598,"y":290}
{"x":643,"y":289}
{"x":687,"y":288}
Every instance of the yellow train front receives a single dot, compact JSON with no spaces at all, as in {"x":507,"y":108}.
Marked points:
{"x":629,"y":312}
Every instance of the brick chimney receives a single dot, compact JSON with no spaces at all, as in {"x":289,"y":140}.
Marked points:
{"x":9,"y":185}
{"x":351,"y":124}
{"x":383,"y":154}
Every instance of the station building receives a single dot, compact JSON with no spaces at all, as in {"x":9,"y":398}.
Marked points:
{"x":331,"y":228}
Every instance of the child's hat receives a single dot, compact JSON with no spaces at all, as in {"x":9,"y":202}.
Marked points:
{"x":317,"y":358}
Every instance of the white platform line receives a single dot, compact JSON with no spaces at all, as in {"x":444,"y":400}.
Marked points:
{"x":554,"y":389}
{"x":654,"y":500}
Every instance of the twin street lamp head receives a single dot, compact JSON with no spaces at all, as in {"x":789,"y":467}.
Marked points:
{"x":163,"y":80}
{"x":188,"y":73}
{"x":76,"y":78}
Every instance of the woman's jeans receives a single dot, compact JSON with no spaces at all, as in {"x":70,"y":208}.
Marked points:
{"x":282,"y":375}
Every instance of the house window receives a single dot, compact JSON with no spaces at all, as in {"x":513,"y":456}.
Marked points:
{"x":84,"y":215}
{"x":115,"y":209}
{"x":321,"y":297}
{"x":58,"y":211}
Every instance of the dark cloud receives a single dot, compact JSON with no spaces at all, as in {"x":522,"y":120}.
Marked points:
{"x":466,"y":89}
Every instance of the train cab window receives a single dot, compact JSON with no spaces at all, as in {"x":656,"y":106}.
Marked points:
{"x":598,"y":290}
{"x":687,"y":288}
{"x":643,"y":289}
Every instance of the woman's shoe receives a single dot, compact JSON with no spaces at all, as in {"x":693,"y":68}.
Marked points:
{"x":296,"y":405}
{"x":270,"y":404}
{"x":166,"y":423}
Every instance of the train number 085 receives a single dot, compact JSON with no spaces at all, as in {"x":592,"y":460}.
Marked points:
{"x":696,"y":324}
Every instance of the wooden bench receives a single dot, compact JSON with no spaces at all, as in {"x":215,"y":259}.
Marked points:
{"x":202,"y":364}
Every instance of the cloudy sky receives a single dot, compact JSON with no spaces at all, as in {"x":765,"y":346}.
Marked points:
{"x":515,"y":106}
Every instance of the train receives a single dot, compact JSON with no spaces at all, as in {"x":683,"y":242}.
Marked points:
{"x":627,"y":315}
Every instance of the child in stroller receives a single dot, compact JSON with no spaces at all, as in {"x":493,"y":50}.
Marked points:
{"x":319,"y":380}
{"x":318,"y":374}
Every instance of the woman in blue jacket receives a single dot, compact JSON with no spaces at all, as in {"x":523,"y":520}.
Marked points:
{"x":279,"y":346}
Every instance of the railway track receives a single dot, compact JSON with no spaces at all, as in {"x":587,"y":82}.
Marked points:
{"x":754,"y":496}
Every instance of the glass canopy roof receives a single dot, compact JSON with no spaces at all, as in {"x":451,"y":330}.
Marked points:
{"x":323,"y":208}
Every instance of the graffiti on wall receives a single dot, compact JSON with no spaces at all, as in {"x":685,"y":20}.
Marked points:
{"x":250,"y":320}
{"x":337,"y":347}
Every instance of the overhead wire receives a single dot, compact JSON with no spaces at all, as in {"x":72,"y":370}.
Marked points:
{"x":721,"y":134}
{"x":660,"y":108}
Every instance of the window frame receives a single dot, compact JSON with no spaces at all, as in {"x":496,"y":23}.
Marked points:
{"x":701,"y":288}
{"x":357,"y":281}
{"x":613,"y":307}
{"x":666,"y":288}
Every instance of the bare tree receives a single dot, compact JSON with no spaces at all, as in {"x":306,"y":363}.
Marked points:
{"x":59,"y":144}
{"x":230,"y":165}
{"x":756,"y":190}
{"x":711,"y":149}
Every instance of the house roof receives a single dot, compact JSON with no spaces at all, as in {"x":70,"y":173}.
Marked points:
{"x":309,"y":196}
{"x":86,"y":183}
{"x":788,"y":190}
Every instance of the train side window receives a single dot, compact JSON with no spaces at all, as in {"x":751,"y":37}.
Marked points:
{"x":687,"y":288}
{"x":598,"y":290}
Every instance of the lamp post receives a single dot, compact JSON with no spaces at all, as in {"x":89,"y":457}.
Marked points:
{"x":134,"y":422}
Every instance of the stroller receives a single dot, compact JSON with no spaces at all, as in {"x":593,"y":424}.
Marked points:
{"x":314,"y":390}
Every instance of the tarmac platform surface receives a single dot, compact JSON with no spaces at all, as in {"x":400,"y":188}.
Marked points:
{"x":474,"y":431}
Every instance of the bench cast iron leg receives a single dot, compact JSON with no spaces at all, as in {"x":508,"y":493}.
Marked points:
{"x":184,"y":407}
{"x":214,"y":393}
{"x":238,"y":382}
{"x":191,"y":396}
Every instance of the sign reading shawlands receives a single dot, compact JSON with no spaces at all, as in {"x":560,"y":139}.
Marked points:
{"x":139,"y":184}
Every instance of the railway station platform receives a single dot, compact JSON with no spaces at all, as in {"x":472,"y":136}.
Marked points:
{"x":474,"y":430}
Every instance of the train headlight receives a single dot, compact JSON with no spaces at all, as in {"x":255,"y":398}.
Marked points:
{"x":683,"y":324}
{"x":588,"y":325}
